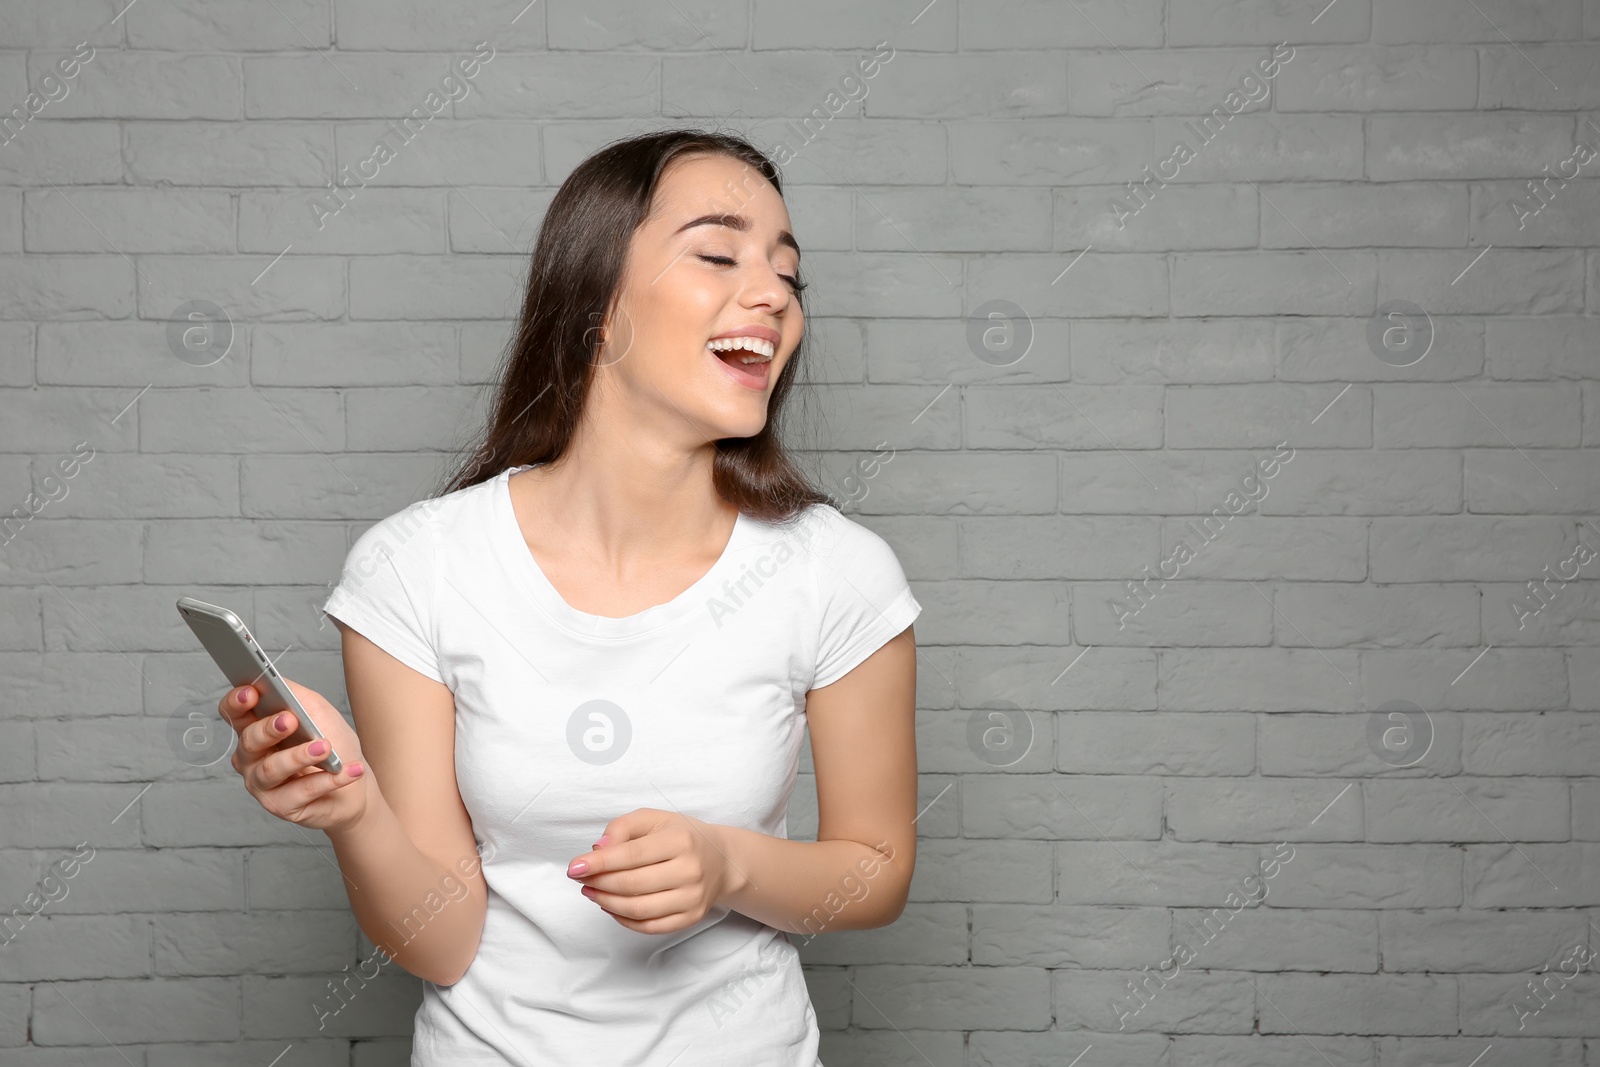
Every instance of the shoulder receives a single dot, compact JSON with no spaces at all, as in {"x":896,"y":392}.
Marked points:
{"x":409,"y":536}
{"x":839,"y":543}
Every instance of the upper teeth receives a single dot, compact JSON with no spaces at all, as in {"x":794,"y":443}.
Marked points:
{"x":760,"y":350}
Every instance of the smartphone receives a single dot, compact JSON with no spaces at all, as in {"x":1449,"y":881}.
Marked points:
{"x":226,"y":637}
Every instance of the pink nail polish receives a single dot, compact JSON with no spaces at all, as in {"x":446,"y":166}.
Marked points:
{"x":604,"y":839}
{"x":317,"y":748}
{"x":577,"y":869}
{"x":281,"y":723}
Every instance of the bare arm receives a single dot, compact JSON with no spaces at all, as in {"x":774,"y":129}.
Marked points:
{"x":857,"y":874}
{"x":410,"y":862}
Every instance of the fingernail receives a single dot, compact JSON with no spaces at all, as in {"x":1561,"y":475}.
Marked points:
{"x":577,"y":869}
{"x":602,"y":842}
{"x":281,"y":723}
{"x":588,"y":891}
{"x":357,"y":770}
{"x":318,"y":748}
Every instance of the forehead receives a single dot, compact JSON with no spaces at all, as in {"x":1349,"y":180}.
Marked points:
{"x":722,"y":184}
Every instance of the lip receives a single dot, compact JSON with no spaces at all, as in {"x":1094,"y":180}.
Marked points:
{"x":765,"y":333}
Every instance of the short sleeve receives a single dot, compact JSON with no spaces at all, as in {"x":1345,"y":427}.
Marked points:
{"x":863,"y":595}
{"x":386,"y":590}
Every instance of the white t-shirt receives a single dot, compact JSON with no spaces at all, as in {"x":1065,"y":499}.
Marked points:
{"x":566,"y":720}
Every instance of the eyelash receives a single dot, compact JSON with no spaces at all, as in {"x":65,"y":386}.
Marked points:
{"x":794,"y":283}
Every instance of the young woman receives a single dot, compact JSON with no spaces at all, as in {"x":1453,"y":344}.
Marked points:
{"x":582,"y":675}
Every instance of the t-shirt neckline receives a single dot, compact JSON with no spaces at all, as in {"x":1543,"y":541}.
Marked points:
{"x":564,"y":615}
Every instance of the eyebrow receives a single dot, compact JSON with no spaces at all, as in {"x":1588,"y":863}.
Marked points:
{"x":735,"y":222}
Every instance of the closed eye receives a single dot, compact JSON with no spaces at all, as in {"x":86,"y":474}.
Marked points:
{"x":723,"y":261}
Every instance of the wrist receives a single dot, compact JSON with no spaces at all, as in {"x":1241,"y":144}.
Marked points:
{"x":729,"y":842}
{"x":371,"y":810}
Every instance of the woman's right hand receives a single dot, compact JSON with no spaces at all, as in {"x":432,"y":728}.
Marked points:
{"x":283,"y":776}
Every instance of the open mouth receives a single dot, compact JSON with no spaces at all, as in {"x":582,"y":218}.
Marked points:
{"x":747,"y":358}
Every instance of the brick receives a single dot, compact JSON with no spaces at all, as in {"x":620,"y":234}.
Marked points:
{"x":1496,"y":22}
{"x":416,"y":25}
{"x":837,"y":24}
{"x":1258,"y":680}
{"x":1379,"y":79}
{"x":1262,"y":416}
{"x":1034,"y":547}
{"x":1468,"y":145}
{"x":1533,"y":213}
{"x":1556,"y":744}
{"x":941,"y":351}
{"x":492,"y":151}
{"x":1466,"y":547}
{"x":1125,"y":873}
{"x":231,"y":25}
{"x":1336,"y":350}
{"x":1155,"y":743}
{"x":1035,"y":677}
{"x":1030,"y":935}
{"x":65,"y":287}
{"x":1111,"y":218}
{"x":1444,"y":941}
{"x":1017,"y":417}
{"x":375,"y":221}
{"x":1264,"y":147}
{"x":1108,"y":285}
{"x":950,"y":998}
{"x":953,"y":220}
{"x":1156,"y":352}
{"x":889,"y":419}
{"x":553,"y":85}
{"x":1559,"y":346}
{"x":1340,"y":615}
{"x":1024,"y":24}
{"x":1273,"y":283}
{"x":1503,"y":680}
{"x":120,"y":84}
{"x":1410,"y":483}
{"x":137,"y":1010}
{"x":1529,"y":481}
{"x":1466,"y":809}
{"x":1459,"y":416}
{"x":228,"y":153}
{"x":1050,"y":151}
{"x":970,"y":85}
{"x":353,"y":354}
{"x":1371,"y":876}
{"x":1060,"y":808}
{"x":1266,"y":548}
{"x":1177,"y":613}
{"x":1335,"y":745}
{"x":1360,"y":215}
{"x":1187,"y":82}
{"x":1258,"y":21}
{"x":1514,"y":77}
{"x":1532,"y":875}
{"x":1253,"y":809}
{"x":129,"y":221}
{"x":992,"y":613}
{"x":1207,"y":1001}
{"x":1372,"y":1004}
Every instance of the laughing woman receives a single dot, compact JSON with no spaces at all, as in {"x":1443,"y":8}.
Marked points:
{"x":583,"y":673}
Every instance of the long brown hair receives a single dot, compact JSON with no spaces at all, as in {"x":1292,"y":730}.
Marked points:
{"x":574,"y":277}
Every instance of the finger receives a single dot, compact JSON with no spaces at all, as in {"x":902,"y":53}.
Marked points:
{"x":672,"y":873}
{"x":649,"y":906}
{"x":290,"y":800}
{"x":277,"y":767}
{"x":238,"y":705}
{"x":265,"y":734}
{"x":631,"y":855}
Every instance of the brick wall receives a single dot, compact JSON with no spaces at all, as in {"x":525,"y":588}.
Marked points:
{"x":1340,"y":692}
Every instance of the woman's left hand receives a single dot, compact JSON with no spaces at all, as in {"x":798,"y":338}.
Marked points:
{"x":657,"y":871}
